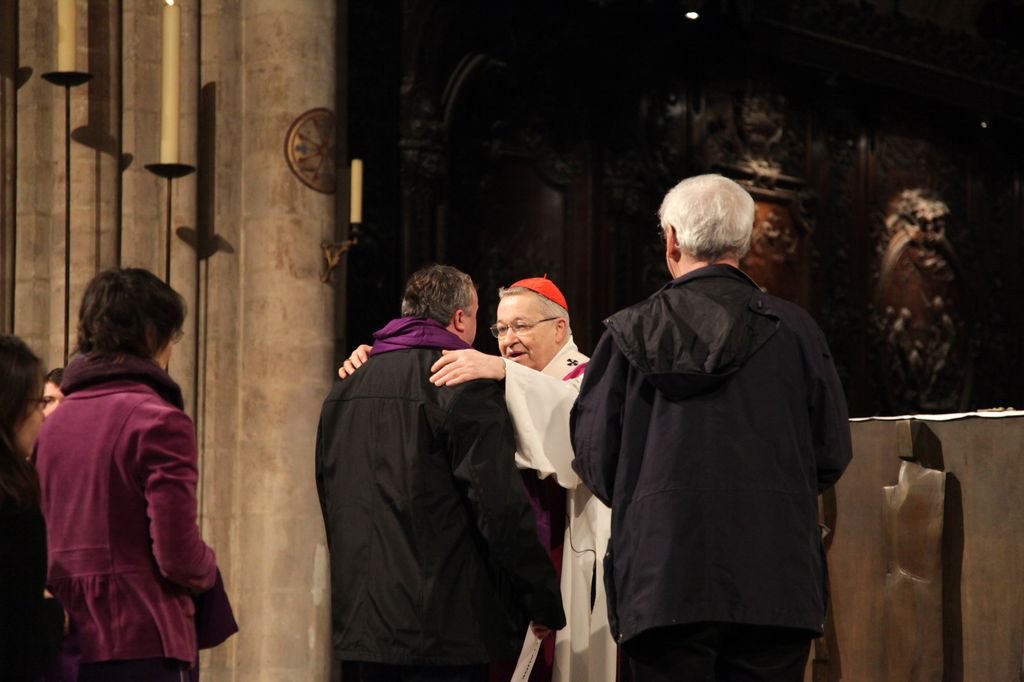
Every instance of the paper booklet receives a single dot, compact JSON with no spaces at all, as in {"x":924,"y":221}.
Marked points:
{"x":527,"y":657}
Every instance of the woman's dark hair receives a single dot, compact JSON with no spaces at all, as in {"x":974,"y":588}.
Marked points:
{"x":21,"y":381}
{"x":128,"y":311}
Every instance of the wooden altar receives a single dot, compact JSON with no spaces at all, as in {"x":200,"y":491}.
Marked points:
{"x":926,"y":552}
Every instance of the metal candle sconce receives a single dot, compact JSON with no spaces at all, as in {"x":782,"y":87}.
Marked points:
{"x":68,"y":80}
{"x":333,"y":251}
{"x":170,"y":171}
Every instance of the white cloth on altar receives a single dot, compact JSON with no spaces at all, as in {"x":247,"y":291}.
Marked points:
{"x":540,"y":403}
{"x":997,"y":413}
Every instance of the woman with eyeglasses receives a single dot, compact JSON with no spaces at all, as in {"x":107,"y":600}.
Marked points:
{"x":31,"y":622}
{"x":118,"y":468}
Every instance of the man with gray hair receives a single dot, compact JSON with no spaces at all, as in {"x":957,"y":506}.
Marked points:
{"x":435,"y":564}
{"x":709,"y":420}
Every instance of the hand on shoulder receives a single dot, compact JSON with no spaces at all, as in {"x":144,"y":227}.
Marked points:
{"x":459,"y":366}
{"x":358,"y":358}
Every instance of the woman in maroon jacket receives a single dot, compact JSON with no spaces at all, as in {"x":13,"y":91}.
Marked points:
{"x":117,"y":466}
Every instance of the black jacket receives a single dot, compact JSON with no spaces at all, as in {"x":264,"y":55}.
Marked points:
{"x":709,"y":419}
{"x":31,"y":627}
{"x":434,"y":552}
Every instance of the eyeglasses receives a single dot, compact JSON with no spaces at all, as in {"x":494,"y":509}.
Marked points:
{"x":499,"y":330}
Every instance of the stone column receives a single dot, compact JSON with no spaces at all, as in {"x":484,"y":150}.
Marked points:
{"x":288,"y":63}
{"x":40,"y":170}
{"x":142,"y":206}
{"x":221,"y":383}
{"x":96,"y":135}
{"x":8,"y":151}
{"x":184,"y":275}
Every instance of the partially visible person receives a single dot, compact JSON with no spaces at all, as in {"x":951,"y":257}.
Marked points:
{"x":31,"y":622}
{"x":52,"y":395}
{"x":436,"y":568}
{"x":709,"y":420}
{"x":64,"y":668}
{"x":118,"y":468}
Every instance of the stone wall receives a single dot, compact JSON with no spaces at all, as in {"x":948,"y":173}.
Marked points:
{"x":257,"y":357}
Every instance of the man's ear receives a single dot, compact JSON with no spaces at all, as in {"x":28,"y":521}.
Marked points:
{"x":561,"y":329}
{"x":459,"y":320}
{"x":672,"y":250}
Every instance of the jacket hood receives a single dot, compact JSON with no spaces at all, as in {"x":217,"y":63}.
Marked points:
{"x":405,"y":333}
{"x":693,"y":334}
{"x":87,"y":372}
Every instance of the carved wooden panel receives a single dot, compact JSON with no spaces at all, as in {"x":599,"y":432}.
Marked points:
{"x":921,"y":314}
{"x":524,"y":111}
{"x":922,"y":324}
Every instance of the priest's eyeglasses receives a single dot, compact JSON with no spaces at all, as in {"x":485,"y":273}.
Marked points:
{"x":499,"y":330}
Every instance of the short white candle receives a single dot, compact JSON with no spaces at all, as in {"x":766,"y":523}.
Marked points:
{"x":356,"y":197}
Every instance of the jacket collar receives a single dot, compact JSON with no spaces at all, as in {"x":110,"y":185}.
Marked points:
{"x":90,"y":372}
{"x":713,"y":270}
{"x":406,"y":333}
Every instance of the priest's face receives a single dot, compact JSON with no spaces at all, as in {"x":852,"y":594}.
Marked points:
{"x":538,"y":340}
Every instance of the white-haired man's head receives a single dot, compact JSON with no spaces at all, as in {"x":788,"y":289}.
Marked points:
{"x":711,"y":217}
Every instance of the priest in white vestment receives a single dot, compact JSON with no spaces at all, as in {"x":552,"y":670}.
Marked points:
{"x":543,"y":369}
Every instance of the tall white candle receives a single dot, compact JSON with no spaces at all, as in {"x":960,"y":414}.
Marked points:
{"x":170,"y":95}
{"x":66,"y":26}
{"x":356,"y":197}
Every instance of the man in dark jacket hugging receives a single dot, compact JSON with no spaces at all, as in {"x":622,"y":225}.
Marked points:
{"x":436,"y":568}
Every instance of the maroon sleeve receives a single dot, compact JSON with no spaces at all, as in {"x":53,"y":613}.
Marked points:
{"x":168,"y":459}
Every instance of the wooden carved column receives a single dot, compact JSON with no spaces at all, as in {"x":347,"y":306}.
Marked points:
{"x":526,"y":199}
{"x":763,"y":146}
{"x":780,"y":247}
{"x":673,"y":117}
{"x":629,"y":226}
{"x":745,"y":134}
{"x":422,"y":173}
